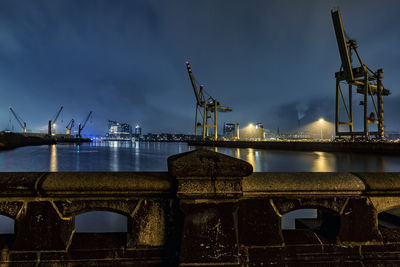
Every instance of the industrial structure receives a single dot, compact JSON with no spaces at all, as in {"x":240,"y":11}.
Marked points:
{"x":69,"y":126}
{"x":205,"y":105}
{"x":259,"y":131}
{"x":368,"y":83}
{"x":52,"y":122}
{"x":229,"y":130}
{"x":82,"y":125}
{"x":20,"y":121}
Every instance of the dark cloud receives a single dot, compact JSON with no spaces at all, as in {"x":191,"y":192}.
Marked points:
{"x":125,"y":59}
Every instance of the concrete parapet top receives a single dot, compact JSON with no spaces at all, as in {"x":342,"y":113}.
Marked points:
{"x":206,"y":163}
{"x":19,"y":183}
{"x":85,"y":183}
{"x":381,"y":183}
{"x":259,"y":184}
{"x":292,"y":183}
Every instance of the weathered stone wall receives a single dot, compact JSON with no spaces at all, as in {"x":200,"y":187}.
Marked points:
{"x":44,"y":206}
{"x":208,"y":210}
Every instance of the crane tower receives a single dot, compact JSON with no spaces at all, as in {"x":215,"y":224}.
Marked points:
{"x":367,"y":82}
{"x":205,"y":105}
{"x":69,"y":126}
{"x":83,"y":124}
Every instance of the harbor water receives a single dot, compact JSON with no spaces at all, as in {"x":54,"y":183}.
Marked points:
{"x":152,"y":156}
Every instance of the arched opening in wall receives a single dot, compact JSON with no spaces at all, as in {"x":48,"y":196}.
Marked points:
{"x":389,"y":224}
{"x":6,"y":231}
{"x":310,"y":226}
{"x":100,"y":222}
{"x":99,"y":229}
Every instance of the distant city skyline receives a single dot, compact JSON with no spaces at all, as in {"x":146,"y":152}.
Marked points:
{"x":273,"y":62}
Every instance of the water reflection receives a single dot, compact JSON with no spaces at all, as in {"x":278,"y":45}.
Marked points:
{"x":137,"y":155}
{"x":298,"y":161}
{"x":114,"y":162}
{"x":322,"y":163}
{"x":77,"y":160}
{"x":53,"y":158}
{"x":250,"y":158}
{"x":237,"y":153}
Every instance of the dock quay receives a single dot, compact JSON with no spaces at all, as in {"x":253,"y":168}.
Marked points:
{"x":14,"y":140}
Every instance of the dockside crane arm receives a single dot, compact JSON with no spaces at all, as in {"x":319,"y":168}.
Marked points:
{"x":20,"y":121}
{"x":83,"y":124}
{"x":70,"y":124}
{"x":198,"y":90}
{"x":343,"y":45}
{"x":57,"y":115}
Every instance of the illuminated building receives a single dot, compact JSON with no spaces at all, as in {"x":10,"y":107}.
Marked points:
{"x":229,"y":130}
{"x":119,"y":131}
{"x":138,"y":131}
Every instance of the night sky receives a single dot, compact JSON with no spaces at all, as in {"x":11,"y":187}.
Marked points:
{"x":271,"y":61}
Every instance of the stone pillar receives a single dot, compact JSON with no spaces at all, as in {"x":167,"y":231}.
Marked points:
{"x":209,"y":186}
{"x":260,"y":224}
{"x":147,"y":226}
{"x":359,"y":223}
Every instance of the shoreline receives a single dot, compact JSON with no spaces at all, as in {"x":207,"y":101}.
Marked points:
{"x":14,"y":140}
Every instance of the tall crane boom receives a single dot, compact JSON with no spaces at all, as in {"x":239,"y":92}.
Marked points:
{"x":52,"y":122}
{"x":57,"y":114}
{"x":83,"y":124}
{"x":20,"y":121}
{"x":194,"y":85}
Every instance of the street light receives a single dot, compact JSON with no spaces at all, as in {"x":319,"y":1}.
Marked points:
{"x":321,"y":120}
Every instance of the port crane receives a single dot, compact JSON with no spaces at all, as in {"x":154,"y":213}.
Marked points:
{"x":367,"y":82}
{"x":20,"y":121}
{"x":69,"y":126}
{"x":205,"y":105}
{"x":52,"y":122}
{"x":83,"y":124}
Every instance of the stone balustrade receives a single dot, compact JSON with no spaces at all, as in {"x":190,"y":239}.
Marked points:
{"x":207,"y":210}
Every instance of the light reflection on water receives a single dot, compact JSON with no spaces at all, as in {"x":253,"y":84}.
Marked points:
{"x":53,"y":158}
{"x":152,"y":156}
{"x":321,"y":163}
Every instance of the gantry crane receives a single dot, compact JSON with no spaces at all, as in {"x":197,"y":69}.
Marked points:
{"x":20,"y":121}
{"x":205,"y":104}
{"x":69,"y":126}
{"x":368,"y":83}
{"x":52,"y":122}
{"x":83,"y":124}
